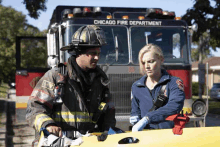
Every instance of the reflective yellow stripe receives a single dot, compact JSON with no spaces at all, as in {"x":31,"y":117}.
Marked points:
{"x":41,"y":122}
{"x":41,"y":140}
{"x":75,"y":113}
{"x":39,"y":117}
{"x":36,"y":119}
{"x":74,"y":120}
{"x":73,"y":117}
{"x":101,"y":106}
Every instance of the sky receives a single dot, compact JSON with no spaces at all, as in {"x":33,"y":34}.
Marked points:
{"x":178,"y":6}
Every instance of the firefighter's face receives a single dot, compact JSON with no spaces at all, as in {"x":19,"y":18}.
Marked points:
{"x":90,"y":58}
{"x":152,"y":63}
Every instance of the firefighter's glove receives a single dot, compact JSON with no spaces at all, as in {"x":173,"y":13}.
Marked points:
{"x":103,"y":136}
{"x":134,"y":119}
{"x":140,"y":125}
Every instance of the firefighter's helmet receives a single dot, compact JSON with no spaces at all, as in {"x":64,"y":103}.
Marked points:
{"x":86,"y":37}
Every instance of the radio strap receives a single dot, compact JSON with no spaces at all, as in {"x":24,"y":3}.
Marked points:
{"x":161,"y":99}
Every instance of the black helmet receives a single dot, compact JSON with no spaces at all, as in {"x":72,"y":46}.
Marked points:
{"x":86,"y":37}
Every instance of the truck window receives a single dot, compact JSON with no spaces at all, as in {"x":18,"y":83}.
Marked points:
{"x":176,"y":45}
{"x":172,"y":40}
{"x":107,"y":55}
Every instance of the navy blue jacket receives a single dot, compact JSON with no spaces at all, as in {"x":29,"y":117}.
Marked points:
{"x":142,"y":100}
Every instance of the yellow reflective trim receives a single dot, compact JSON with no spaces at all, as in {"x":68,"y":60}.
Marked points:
{"x":39,"y":117}
{"x":101,"y":106}
{"x":41,"y":139}
{"x":73,"y":120}
{"x":74,"y":113}
{"x":41,"y":122}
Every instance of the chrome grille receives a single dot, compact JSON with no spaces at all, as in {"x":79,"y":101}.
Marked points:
{"x":120,"y":89}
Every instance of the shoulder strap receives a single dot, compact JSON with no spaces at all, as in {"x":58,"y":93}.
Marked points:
{"x":162,"y":90}
{"x":161,"y":99}
{"x":60,"y":84}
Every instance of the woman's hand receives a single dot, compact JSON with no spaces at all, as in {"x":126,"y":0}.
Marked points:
{"x":140,"y":125}
{"x":134,"y":119}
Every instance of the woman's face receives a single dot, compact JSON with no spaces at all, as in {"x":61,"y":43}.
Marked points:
{"x":152,"y":64}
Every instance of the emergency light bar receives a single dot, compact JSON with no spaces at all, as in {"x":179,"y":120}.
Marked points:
{"x":125,"y":17}
{"x":154,"y":13}
{"x":66,"y":12}
{"x":77,"y":12}
{"x":172,"y":15}
{"x":109,"y":16}
{"x":177,"y":18}
{"x":87,"y":12}
{"x":97,"y":11}
{"x":141,"y":17}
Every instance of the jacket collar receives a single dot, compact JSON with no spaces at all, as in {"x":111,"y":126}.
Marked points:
{"x":165,"y":76}
{"x":99,"y":72}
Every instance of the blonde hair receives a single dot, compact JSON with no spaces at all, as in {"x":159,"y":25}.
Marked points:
{"x":147,"y":48}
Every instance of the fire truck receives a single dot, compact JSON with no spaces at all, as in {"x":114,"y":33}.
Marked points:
{"x":127,"y":30}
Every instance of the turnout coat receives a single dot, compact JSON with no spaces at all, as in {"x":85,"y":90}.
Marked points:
{"x":76,"y":112}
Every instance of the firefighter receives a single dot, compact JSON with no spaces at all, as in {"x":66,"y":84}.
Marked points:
{"x":157,"y":94}
{"x":77,"y":102}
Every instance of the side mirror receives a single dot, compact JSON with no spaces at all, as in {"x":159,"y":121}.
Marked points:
{"x":116,"y":48}
{"x":195,"y":27}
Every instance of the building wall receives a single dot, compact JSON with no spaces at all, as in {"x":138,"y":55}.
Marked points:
{"x":216,"y":76}
{"x":195,"y":77}
{"x":213,"y":77}
{"x":210,"y":81}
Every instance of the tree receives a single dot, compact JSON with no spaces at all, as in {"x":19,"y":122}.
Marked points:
{"x":207,"y":17}
{"x":34,"y":7}
{"x":12,"y":24}
{"x":206,"y":53}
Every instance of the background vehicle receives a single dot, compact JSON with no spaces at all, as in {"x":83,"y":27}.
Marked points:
{"x":215,"y":91}
{"x":127,"y":30}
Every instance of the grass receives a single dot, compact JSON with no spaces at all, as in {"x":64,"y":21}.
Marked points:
{"x":3,"y":90}
{"x":214,"y":105}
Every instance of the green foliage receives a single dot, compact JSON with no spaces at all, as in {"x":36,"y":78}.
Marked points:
{"x":3,"y":90}
{"x":214,"y":107}
{"x":34,"y":7}
{"x":207,"y":17}
{"x":195,"y":88}
{"x":33,"y":53}
{"x":12,"y":24}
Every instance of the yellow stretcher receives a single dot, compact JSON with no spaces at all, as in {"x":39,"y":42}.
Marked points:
{"x":191,"y":137}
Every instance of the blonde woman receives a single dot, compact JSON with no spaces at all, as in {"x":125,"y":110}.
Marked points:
{"x":157,"y":94}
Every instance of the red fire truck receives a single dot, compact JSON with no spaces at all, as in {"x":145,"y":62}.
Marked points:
{"x":127,"y":30}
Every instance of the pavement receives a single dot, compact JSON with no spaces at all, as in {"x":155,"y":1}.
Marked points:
{"x":13,"y":133}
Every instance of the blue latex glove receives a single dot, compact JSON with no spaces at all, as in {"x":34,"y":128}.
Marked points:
{"x":140,"y":125}
{"x":134,"y":119}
